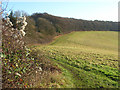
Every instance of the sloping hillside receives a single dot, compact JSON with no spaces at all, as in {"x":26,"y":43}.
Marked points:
{"x":104,"y":40}
{"x":88,"y":59}
{"x":42,"y":27}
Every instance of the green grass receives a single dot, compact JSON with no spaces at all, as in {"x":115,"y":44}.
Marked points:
{"x":88,"y":59}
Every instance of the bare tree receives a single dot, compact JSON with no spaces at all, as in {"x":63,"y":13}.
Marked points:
{"x":3,"y":7}
{"x":20,"y":13}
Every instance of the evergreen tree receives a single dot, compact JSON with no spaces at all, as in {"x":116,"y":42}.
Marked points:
{"x":13,"y":19}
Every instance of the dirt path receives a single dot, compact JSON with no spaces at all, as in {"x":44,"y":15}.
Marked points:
{"x":75,"y":78}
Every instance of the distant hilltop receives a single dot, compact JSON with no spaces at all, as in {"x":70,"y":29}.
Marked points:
{"x":42,"y":27}
{"x":70,"y":24}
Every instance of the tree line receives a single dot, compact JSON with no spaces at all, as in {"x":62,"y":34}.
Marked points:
{"x":42,"y":27}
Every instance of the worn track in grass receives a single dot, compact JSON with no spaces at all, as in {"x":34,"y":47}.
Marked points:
{"x":90,"y":56}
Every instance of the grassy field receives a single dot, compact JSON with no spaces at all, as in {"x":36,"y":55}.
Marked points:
{"x":88,"y":59}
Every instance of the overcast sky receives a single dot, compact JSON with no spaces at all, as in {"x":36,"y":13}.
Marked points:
{"x":106,"y":10}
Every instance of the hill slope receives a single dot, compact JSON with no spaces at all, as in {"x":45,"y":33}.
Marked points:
{"x":104,"y":40}
{"x":87,"y":59}
{"x":44,"y":26}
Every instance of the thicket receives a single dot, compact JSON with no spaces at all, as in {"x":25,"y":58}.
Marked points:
{"x":22,"y":66}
